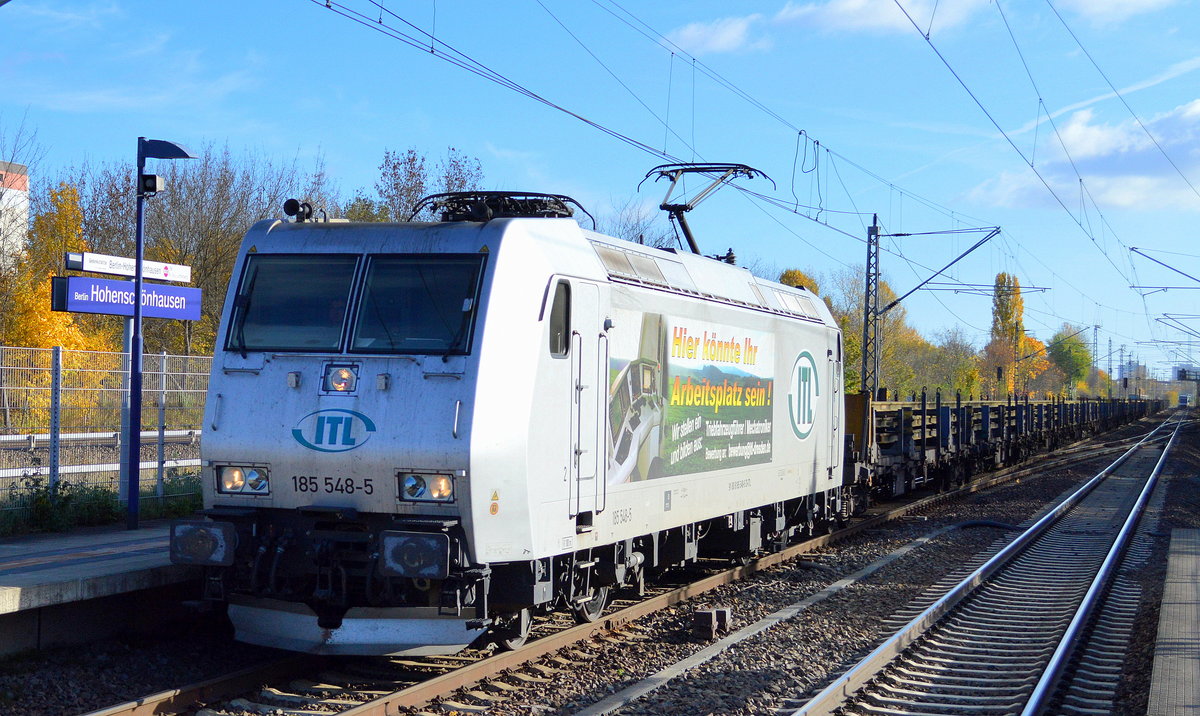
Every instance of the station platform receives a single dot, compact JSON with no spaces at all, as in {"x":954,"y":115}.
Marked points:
{"x":1175,"y":680}
{"x":86,"y":584}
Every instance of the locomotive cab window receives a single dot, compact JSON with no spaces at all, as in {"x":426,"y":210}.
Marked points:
{"x":291,"y":302}
{"x":418,"y":303}
{"x":560,"y":320}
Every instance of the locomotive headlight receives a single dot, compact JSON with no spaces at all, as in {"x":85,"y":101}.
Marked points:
{"x":256,"y":481}
{"x":418,"y":487}
{"x":340,"y":378}
{"x":235,"y":479}
{"x":232,"y":479}
{"x":414,"y":487}
{"x":441,"y":488}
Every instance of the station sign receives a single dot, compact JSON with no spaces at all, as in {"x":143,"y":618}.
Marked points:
{"x":83,"y":294}
{"x":121,"y":266}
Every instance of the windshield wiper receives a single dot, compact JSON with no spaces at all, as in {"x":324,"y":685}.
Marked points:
{"x":241,"y":304}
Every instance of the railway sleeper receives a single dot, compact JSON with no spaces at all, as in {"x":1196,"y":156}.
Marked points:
{"x":958,"y":697}
{"x":920,"y":706}
{"x":944,"y":684}
{"x":915,"y":670}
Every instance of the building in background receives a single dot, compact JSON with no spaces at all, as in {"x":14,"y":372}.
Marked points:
{"x":14,"y":211}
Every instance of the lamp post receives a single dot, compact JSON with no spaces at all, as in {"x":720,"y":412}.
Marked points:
{"x":147,"y":185}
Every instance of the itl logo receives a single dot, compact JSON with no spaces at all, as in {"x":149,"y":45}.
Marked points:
{"x":333,"y":430}
{"x":802,"y":395}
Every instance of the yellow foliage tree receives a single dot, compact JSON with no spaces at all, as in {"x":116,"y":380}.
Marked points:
{"x":799,"y":279}
{"x":29,"y":321}
{"x":1032,"y":362}
{"x":34,"y":325}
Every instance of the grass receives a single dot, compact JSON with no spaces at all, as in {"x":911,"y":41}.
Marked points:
{"x":38,"y":507}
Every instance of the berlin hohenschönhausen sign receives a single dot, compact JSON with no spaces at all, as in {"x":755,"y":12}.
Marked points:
{"x":83,"y":294}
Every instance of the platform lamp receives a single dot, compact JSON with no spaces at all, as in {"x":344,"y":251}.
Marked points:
{"x":147,"y":185}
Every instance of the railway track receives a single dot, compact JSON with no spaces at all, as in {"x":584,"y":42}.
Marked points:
{"x":1000,"y":640}
{"x":367,"y":687}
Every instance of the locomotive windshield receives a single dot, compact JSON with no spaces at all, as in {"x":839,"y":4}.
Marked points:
{"x":409,"y":303}
{"x":291,"y":303}
{"x":418,"y":303}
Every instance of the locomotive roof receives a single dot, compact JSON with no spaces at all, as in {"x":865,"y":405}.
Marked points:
{"x":703,"y":276}
{"x":623,"y":261}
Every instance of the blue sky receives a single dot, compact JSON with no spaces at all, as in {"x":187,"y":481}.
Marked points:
{"x":843,"y":103}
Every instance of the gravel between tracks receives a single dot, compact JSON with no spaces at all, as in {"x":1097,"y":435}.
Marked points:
{"x":787,"y":661}
{"x":752,"y":677}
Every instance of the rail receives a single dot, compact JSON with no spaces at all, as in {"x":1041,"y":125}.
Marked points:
{"x":1058,"y":661}
{"x":836,"y":694}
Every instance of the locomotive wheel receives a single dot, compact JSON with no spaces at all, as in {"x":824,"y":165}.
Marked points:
{"x":589,"y":611}
{"x":513,"y":635}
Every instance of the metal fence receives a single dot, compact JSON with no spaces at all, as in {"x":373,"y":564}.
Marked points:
{"x":62,"y":415}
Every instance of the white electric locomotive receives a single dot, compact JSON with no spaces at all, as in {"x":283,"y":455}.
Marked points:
{"x":420,"y":434}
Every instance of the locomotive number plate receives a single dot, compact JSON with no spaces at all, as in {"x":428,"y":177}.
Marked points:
{"x":330,"y":485}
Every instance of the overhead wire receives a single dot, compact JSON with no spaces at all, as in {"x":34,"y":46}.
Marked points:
{"x":488,"y":73}
{"x":666,"y":124}
{"x":460,"y":59}
{"x":1008,"y":138}
{"x":1121,"y":97}
{"x":1085,"y":192}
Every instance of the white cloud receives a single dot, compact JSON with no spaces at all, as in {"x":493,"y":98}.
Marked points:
{"x":728,"y":34}
{"x":1139,"y":192}
{"x":1085,"y":140}
{"x":86,"y":16}
{"x":1121,"y":166}
{"x":516,"y":155}
{"x":1176,"y":70}
{"x":1110,"y":11}
{"x":190,"y":93}
{"x":880,"y":15}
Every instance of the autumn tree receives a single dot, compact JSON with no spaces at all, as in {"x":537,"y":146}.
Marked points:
{"x":27,"y":320}
{"x":364,"y":208}
{"x":1031,"y":363}
{"x":899,"y":341}
{"x":1048,"y":383}
{"x":1070,"y":354}
{"x":950,"y":364}
{"x":1008,"y":310}
{"x":999,"y":357}
{"x":799,"y":279}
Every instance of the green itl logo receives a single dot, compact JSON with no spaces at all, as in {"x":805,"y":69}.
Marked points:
{"x":802,"y":395}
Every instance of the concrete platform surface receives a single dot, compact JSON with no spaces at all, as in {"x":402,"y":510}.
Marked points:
{"x":45,"y":570}
{"x":1175,"y":682}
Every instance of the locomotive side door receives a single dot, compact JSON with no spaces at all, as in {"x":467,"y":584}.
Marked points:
{"x":589,"y":392}
{"x":835,"y":408}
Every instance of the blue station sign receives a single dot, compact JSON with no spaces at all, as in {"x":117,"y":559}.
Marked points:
{"x":83,"y":294}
